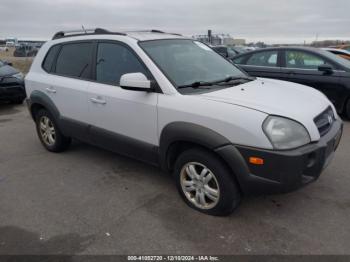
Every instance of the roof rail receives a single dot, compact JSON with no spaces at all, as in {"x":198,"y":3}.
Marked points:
{"x":80,"y":32}
{"x":152,"y":31}
{"x":162,"y":32}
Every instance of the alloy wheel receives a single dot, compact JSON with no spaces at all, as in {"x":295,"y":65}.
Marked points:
{"x":200,"y":185}
{"x":47,"y":131}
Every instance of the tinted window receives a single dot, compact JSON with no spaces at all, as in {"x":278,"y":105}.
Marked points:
{"x":303,"y":60}
{"x":75,"y":60}
{"x":113,"y":61}
{"x":50,"y":57}
{"x":263,"y":59}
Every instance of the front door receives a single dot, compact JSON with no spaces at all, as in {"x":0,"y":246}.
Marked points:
{"x":122,"y":120}
{"x":302,"y":67}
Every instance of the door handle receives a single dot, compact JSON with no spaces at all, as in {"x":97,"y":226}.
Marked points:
{"x":51,"y":90}
{"x":98,"y":101}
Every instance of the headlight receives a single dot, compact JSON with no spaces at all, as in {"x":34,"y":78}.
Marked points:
{"x":285,"y":133}
{"x":19,"y":76}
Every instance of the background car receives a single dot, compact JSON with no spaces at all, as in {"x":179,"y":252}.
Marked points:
{"x":25,"y":51}
{"x":339,"y":52}
{"x":343,"y":47}
{"x":11,"y":84}
{"x":313,"y":67}
{"x":229,"y":51}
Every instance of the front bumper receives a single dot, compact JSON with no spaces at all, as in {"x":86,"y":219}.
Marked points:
{"x":285,"y":171}
{"x":11,"y":89}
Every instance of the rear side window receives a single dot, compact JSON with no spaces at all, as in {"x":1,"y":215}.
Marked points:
{"x":115,"y":60}
{"x":74,"y":60}
{"x":303,"y":60}
{"x":268,"y":58}
{"x":50,"y":58}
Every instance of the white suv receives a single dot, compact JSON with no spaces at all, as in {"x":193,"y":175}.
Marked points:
{"x":174,"y":102}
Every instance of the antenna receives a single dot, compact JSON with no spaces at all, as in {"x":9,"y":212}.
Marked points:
{"x":83,"y":29}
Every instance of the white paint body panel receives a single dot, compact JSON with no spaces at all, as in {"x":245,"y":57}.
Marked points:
{"x":129,"y":113}
{"x":236,"y":113}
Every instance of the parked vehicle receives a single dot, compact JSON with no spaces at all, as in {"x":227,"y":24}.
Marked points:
{"x":343,"y":47}
{"x":4,"y":49}
{"x":313,"y":67}
{"x":11,"y":84}
{"x":25,"y":51}
{"x":228,"y":51}
{"x":339,"y":52}
{"x":175,"y":103}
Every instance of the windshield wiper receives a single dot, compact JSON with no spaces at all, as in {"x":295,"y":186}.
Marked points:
{"x":229,"y":79}
{"x":226,"y":80}
{"x":197,"y":84}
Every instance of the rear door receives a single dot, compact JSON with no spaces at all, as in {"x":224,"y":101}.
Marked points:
{"x":261,"y":64}
{"x":302,"y":67}
{"x":67,"y":85}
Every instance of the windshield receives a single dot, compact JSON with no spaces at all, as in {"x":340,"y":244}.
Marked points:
{"x":1,"y":63}
{"x":187,"y":61}
{"x":336,"y":58}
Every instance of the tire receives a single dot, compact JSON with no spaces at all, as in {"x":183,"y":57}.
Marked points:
{"x":347,"y":109}
{"x":49,"y":134}
{"x":220,"y":192}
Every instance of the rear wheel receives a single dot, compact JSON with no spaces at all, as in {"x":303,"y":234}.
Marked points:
{"x":49,"y":134}
{"x":205,"y":183}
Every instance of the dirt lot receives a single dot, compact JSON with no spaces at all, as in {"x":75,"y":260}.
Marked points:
{"x":21,"y":63}
{"x":90,"y":201}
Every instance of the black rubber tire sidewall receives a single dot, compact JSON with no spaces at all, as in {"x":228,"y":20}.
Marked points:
{"x":230,"y":196}
{"x":347,"y":109}
{"x":61,"y":143}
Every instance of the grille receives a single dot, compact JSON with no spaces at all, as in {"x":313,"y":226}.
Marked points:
{"x":324,"y":121}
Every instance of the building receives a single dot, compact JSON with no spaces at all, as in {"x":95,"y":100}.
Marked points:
{"x":219,"y":39}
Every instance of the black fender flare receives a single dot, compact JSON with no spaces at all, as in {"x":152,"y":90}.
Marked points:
{"x":40,"y":98}
{"x":204,"y":137}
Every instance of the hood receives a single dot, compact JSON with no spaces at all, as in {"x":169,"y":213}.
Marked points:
{"x":7,"y":70}
{"x":274,"y":97}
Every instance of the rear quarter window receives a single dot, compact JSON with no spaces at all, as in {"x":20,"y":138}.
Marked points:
{"x":50,"y":58}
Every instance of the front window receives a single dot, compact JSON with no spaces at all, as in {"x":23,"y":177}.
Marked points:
{"x":187,"y":61}
{"x":115,"y":60}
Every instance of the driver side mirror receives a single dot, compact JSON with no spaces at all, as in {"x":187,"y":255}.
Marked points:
{"x":326,"y":69}
{"x":135,"y":82}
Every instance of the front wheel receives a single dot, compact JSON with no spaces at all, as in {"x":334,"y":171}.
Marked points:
{"x":205,"y":183}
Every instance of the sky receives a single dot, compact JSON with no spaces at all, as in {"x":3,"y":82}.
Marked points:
{"x":271,"y":21}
